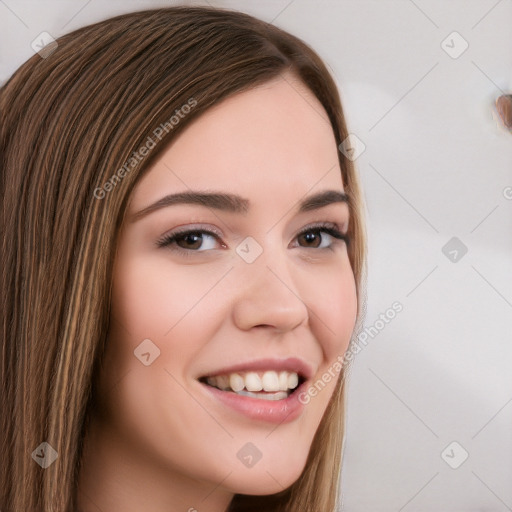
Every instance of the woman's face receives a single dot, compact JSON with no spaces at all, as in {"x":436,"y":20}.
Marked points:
{"x":250,"y":292}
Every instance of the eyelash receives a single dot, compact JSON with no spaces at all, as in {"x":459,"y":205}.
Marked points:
{"x":327,"y":227}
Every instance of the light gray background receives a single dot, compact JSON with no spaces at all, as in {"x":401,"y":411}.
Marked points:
{"x":437,"y":165}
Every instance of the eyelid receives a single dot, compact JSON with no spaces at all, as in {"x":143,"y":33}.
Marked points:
{"x":194,"y":227}
{"x":163,"y":241}
{"x":322,"y":224}
{"x":209,"y":230}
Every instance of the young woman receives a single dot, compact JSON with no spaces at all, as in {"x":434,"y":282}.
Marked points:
{"x":183,"y":262}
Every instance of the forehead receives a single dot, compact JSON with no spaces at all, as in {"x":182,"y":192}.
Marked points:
{"x":273,"y":139}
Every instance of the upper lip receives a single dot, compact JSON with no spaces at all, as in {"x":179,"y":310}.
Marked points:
{"x":290,"y":364}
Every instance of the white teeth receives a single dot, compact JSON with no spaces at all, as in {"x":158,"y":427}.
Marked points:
{"x":223,"y":382}
{"x":270,"y":381}
{"x":283,"y":381}
{"x":293,"y":380}
{"x":236,"y":382}
{"x":251,"y":382}
{"x":274,"y":396}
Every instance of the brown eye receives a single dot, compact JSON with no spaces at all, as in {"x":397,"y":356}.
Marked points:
{"x":326,"y":234}
{"x":190,"y":240}
{"x":309,"y":238}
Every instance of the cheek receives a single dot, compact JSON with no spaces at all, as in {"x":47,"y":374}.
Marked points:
{"x":142,"y":298}
{"x":334,"y":312}
{"x":154,"y":300}
{"x":139,"y":402}
{"x":333,"y":317}
{"x":152,"y":297}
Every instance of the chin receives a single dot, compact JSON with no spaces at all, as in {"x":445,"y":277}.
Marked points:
{"x":263,"y":483}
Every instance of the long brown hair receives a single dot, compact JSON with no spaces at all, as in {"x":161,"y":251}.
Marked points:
{"x":70,"y":121}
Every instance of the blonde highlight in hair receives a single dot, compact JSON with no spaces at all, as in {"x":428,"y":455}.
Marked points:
{"x":69,"y":121}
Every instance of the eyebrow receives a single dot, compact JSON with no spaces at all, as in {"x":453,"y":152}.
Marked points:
{"x":236,"y":204}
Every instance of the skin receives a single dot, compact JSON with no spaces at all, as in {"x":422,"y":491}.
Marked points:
{"x":156,"y":438}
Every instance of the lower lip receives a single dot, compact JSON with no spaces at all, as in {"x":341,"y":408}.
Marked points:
{"x":271,"y":411}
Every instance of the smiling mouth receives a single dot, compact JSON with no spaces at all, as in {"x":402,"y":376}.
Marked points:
{"x":267,"y":385}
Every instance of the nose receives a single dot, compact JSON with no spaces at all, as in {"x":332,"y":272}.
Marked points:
{"x":268,"y":297}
